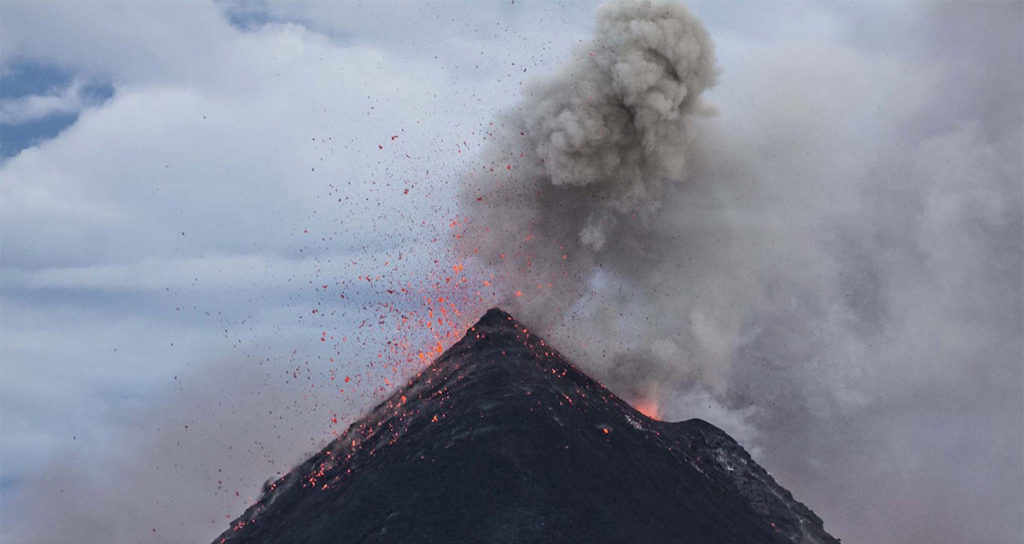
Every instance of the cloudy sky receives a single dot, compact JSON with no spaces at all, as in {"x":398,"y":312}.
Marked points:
{"x":209,"y":211}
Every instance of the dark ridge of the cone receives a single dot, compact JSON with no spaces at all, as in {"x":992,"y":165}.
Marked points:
{"x":495,"y":317}
{"x":498,"y":344}
{"x":503,"y":440}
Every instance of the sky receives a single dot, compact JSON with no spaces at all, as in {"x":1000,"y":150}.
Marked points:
{"x":216,"y":215}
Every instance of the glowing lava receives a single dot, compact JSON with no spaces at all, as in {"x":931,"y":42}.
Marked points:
{"x":648,"y":406}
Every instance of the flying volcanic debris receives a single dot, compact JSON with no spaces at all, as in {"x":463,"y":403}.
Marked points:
{"x":828,"y":266}
{"x":578,"y":209}
{"x":502,"y":440}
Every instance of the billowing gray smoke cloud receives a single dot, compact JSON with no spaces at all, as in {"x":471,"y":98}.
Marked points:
{"x":829,"y":266}
{"x":582,"y":183}
{"x":827,"y":263}
{"x":589,"y":209}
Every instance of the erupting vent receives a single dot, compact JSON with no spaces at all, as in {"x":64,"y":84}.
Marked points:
{"x":502,"y":440}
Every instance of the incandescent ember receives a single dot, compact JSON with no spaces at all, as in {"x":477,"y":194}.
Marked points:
{"x":501,"y":439}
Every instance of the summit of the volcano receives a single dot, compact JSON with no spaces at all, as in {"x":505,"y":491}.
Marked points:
{"x":503,"y":440}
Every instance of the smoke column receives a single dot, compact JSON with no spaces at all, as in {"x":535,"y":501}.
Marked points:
{"x":830,"y":270}
{"x":591,"y":216}
{"x":823,"y":256}
{"x":575,"y":209}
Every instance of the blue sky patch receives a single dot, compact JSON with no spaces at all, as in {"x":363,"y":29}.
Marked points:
{"x":24,"y":79}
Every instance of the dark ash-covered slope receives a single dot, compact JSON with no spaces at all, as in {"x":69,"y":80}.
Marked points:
{"x":502,"y":440}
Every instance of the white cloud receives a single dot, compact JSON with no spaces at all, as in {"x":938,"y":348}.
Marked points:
{"x":214,"y":272}
{"x":131,"y":42}
{"x":194,"y":215}
{"x":183,"y":228}
{"x":40,"y":106}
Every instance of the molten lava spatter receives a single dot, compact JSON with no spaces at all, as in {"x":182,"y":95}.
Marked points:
{"x":502,"y":440}
{"x":649,"y":407}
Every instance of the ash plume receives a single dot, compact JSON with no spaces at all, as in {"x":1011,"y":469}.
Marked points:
{"x":822,"y":253}
{"x":825,"y":259}
{"x":588,"y":208}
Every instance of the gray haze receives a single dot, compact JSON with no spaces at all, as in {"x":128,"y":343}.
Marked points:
{"x":831,"y":274}
{"x":803,"y":224}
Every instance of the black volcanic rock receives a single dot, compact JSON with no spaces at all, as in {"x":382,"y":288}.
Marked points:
{"x":502,"y":440}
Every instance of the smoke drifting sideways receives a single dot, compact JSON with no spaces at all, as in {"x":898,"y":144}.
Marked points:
{"x":831,"y":270}
{"x":826,"y":262}
{"x":187,"y":464}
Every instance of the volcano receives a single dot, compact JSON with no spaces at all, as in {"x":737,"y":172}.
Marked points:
{"x":501,"y":440}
